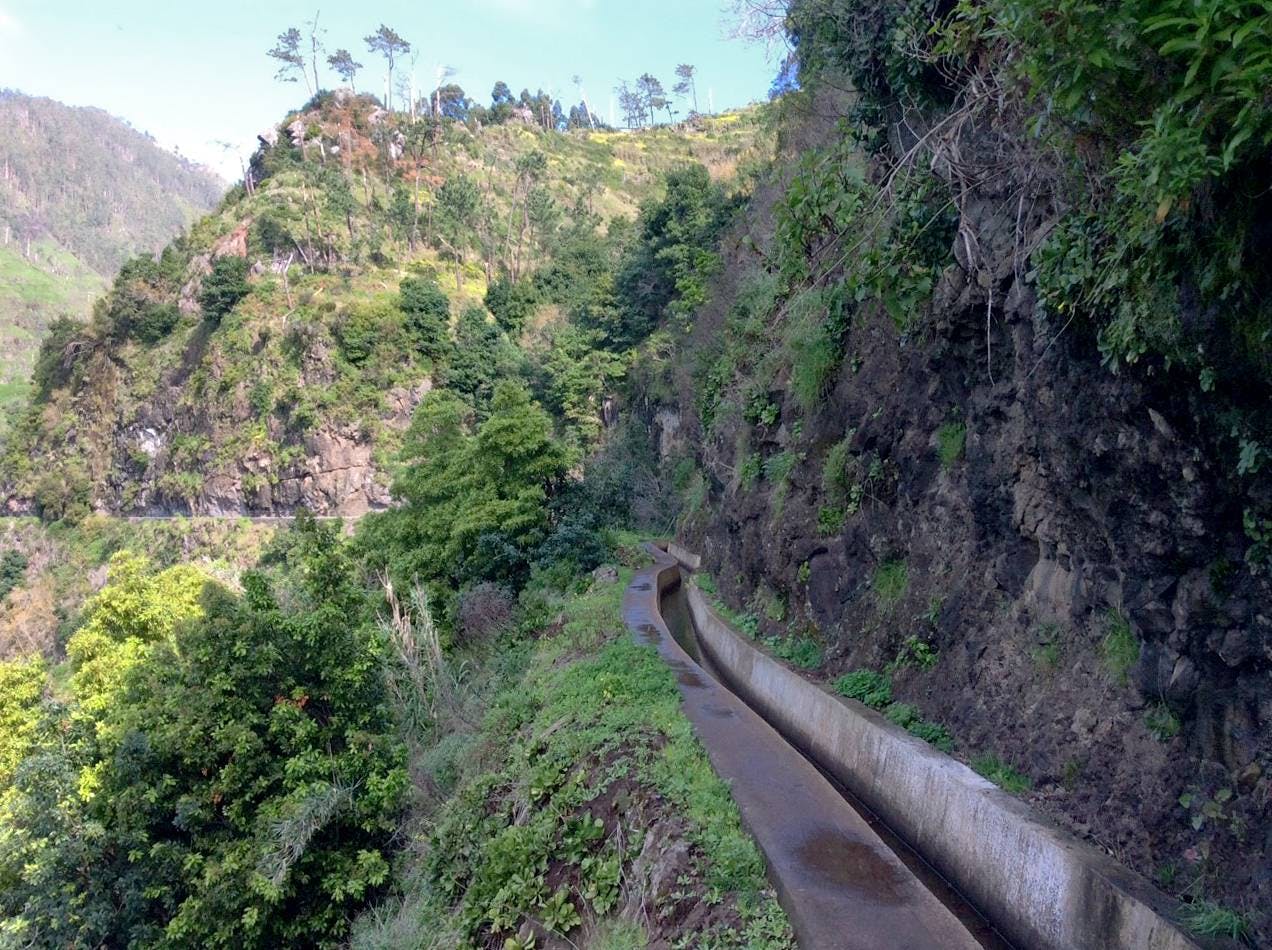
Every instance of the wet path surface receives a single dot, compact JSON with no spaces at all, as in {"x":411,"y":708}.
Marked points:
{"x":841,"y":885}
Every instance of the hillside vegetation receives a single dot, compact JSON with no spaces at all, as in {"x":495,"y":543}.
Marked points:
{"x":951,"y":362}
{"x":977,"y":411}
{"x":434,"y":732}
{"x":80,"y":192}
{"x":362,"y":238}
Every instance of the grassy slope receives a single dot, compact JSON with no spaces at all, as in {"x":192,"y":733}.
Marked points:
{"x":33,"y":291}
{"x":580,"y":805}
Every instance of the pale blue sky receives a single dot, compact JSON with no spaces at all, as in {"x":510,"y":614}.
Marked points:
{"x":194,"y":74}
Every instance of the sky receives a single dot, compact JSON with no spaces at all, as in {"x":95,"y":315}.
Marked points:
{"x":196,"y":77}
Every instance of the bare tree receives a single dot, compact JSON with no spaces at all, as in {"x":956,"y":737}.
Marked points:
{"x":578,"y":82}
{"x":758,"y":21}
{"x":315,"y":46}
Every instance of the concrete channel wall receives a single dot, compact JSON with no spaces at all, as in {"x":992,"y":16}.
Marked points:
{"x":1040,"y":886}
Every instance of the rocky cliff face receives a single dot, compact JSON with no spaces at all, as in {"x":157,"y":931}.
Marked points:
{"x":1067,"y":541}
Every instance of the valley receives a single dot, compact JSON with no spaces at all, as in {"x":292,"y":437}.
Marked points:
{"x":842,"y":519}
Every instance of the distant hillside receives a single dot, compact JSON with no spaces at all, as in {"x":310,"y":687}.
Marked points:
{"x":293,"y":387}
{"x":80,"y":192}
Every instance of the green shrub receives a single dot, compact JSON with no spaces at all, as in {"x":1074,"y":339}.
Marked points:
{"x":951,"y":439}
{"x":155,"y":322}
{"x":890,"y":582}
{"x":933,"y":734}
{"x":778,"y":466}
{"x":1119,"y":649}
{"x":803,"y":652}
{"x":1002,"y":774}
{"x":902,"y":714}
{"x":830,"y":520}
{"x":13,"y":565}
{"x":224,"y":287}
{"x":867,"y":687}
{"x":1161,"y":722}
{"x":64,"y":495}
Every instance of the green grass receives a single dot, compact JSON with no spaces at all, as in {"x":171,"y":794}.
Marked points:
{"x":1002,"y":773}
{"x":1210,"y":919}
{"x":933,"y":734}
{"x":1119,"y":649}
{"x":831,"y":520}
{"x":951,"y":441}
{"x":803,"y":652}
{"x":866,"y":686}
{"x":890,"y":582}
{"x":814,"y":357}
{"x":1047,"y":654}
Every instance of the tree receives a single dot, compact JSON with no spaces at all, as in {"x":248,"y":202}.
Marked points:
{"x":653,"y":96}
{"x":346,"y":68}
{"x":530,"y":168}
{"x":502,"y":102}
{"x":512,"y":304}
{"x":389,"y":44}
{"x":632,"y":104}
{"x":224,"y":287}
{"x":427,"y":315}
{"x":291,"y":61}
{"x":760,"y":21}
{"x":458,"y":201}
{"x":474,"y":503}
{"x":587,"y":109}
{"x":474,"y":362}
{"x":451,"y":102}
{"x":226,"y":775}
{"x":688,"y":85}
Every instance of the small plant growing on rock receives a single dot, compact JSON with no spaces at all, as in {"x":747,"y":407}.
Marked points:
{"x":933,"y":734}
{"x":902,"y":714}
{"x":830,"y":520}
{"x":866,"y":686}
{"x":1209,"y":919}
{"x":890,"y":581}
{"x":1047,"y":654}
{"x":951,"y":441}
{"x":1119,"y":649}
{"x":1002,"y":773}
{"x":803,"y":652}
{"x":915,"y":652}
{"x":1161,"y":722}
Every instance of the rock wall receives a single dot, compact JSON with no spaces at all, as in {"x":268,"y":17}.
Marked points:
{"x":1086,"y":506}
